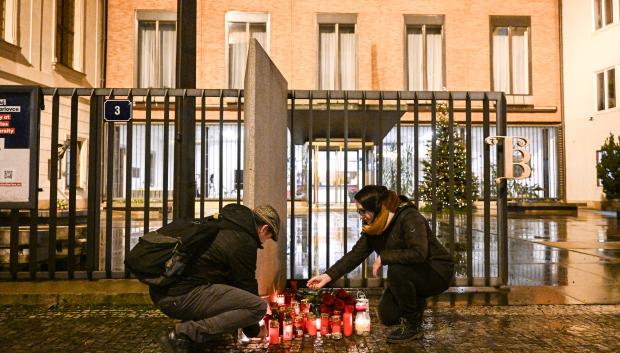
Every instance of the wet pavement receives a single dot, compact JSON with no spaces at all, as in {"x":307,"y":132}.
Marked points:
{"x":565,"y":328}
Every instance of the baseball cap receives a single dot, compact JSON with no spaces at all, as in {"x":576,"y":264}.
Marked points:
{"x":268,"y":215}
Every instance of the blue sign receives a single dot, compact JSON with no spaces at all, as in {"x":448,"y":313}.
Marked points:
{"x":117,"y":110}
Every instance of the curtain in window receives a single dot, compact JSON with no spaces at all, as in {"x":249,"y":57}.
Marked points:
{"x":598,"y":11}
{"x":501,"y":64}
{"x":600,"y":90}
{"x":520,"y":61}
{"x":258,"y":31}
{"x":415,"y":78}
{"x":609,"y":12}
{"x":434,"y":59}
{"x":147,"y":55}
{"x":328,"y":56}
{"x":348,"y":69}
{"x":167,"y":44}
{"x":237,"y":52}
{"x":611,"y":88}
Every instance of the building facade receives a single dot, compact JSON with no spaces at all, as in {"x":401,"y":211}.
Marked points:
{"x":591,"y":68}
{"x":512,"y":46}
{"x":56,"y":43}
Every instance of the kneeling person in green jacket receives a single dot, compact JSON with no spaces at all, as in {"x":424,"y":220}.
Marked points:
{"x":418,"y":265}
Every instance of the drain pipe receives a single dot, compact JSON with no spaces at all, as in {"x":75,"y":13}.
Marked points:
{"x":104,"y":49}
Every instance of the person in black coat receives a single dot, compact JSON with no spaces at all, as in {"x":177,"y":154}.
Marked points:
{"x":218,"y":293}
{"x":418,"y":265}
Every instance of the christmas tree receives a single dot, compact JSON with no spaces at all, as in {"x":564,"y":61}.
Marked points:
{"x":442,"y":167}
{"x":608,"y":168}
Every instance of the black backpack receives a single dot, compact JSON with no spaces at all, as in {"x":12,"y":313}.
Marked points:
{"x":161,"y":256}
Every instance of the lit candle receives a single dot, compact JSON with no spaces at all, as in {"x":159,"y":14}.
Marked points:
{"x":304,"y":306}
{"x":298,"y":325}
{"x":274,"y":332}
{"x":336,"y":327}
{"x":324,"y":324}
{"x":280,"y":299}
{"x":362,"y":323}
{"x":287,"y":333}
{"x":311,"y":323}
{"x":348,"y":324}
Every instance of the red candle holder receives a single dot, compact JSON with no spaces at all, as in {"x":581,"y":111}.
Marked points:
{"x":348,"y":324}
{"x":311,"y":324}
{"x":336,"y":327}
{"x":324,"y":324}
{"x":274,"y":332}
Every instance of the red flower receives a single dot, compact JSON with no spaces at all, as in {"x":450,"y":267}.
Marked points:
{"x":350,"y":300}
{"x":339,"y":305}
{"x":328,"y":299}
{"x":342,"y":294}
{"x":325,"y":309}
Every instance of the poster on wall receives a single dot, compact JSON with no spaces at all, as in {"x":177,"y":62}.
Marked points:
{"x":19,"y":129}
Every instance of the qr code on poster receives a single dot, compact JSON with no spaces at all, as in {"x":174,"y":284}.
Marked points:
{"x":8,"y":174}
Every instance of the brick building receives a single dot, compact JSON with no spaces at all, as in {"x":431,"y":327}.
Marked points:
{"x":366,"y":45}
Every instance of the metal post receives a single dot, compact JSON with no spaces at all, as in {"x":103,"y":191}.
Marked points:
{"x":502,"y":195}
{"x":184,"y":182}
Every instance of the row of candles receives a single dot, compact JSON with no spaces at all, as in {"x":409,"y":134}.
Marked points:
{"x":299,"y":321}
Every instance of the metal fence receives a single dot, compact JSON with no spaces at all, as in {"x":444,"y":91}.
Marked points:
{"x":101,"y":224}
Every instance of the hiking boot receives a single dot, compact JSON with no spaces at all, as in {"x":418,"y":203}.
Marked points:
{"x":406,"y":331}
{"x":171,"y":342}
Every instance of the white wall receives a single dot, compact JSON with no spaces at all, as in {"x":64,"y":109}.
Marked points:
{"x":585,"y":52}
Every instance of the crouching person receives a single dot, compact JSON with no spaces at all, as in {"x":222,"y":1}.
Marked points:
{"x":218,"y":292}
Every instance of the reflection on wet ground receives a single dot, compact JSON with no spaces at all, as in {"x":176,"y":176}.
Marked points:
{"x":575,"y":258}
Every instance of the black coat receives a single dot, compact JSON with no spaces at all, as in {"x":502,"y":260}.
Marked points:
{"x":231,"y":258}
{"x":407,"y":240}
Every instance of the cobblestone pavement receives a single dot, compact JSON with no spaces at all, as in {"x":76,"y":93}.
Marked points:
{"x":564,"y":328}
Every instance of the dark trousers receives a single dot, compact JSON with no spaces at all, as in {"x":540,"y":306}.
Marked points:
{"x":213,"y":309}
{"x":407,"y":290}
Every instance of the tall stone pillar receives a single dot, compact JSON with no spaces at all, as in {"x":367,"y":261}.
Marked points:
{"x":264,"y":174}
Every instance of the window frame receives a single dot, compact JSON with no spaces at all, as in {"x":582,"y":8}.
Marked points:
{"x":345,"y":19}
{"x":510,"y":22}
{"x":248,"y":18}
{"x":615,"y":16}
{"x":412,"y":21}
{"x":9,"y":22}
{"x":606,"y":91}
{"x":156,"y":16}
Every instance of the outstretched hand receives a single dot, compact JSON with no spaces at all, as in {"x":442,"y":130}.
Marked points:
{"x":319,"y":281}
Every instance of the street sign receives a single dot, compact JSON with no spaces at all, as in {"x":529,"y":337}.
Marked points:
{"x":19,"y":146}
{"x":117,"y":110}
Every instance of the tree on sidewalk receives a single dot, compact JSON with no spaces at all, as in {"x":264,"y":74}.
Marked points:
{"x":442,"y":167}
{"x":608,"y":167}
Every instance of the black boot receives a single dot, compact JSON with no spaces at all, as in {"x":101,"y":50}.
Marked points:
{"x":406,"y":331}
{"x":171,"y":342}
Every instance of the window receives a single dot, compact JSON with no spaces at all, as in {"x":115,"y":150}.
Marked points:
{"x":65,"y":31}
{"x":2,"y":19}
{"x":511,"y":54}
{"x":156,"y":66}
{"x":8,"y":21}
{"x":606,"y":89}
{"x":425,"y":55}
{"x":337,"y":52}
{"x":241,"y":28}
{"x":603,"y":13}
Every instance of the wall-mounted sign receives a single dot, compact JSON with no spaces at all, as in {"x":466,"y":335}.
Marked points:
{"x":523,"y":162}
{"x":117,"y":110}
{"x":19,"y":146}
